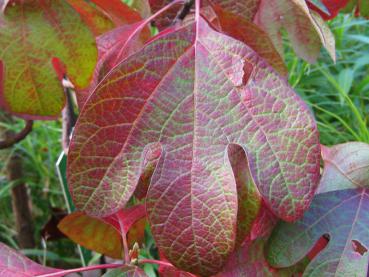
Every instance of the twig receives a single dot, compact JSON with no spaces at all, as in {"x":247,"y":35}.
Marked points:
{"x":183,"y":12}
{"x":13,"y":139}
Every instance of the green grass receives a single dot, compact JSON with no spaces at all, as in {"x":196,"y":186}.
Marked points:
{"x":338,"y":93}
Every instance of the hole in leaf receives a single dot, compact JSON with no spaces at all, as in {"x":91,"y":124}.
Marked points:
{"x":319,"y":246}
{"x":358,"y":247}
{"x":247,"y":71}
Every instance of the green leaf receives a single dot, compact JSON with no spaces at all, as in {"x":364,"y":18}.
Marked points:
{"x":31,"y":34}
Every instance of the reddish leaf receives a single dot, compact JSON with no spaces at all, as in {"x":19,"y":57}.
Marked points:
{"x":167,"y":271}
{"x":306,"y":30}
{"x":170,"y":271}
{"x":128,"y":217}
{"x":252,"y":36}
{"x":33,"y":33}
{"x":202,"y":92}
{"x":165,"y":20}
{"x":95,"y":18}
{"x":13,"y":264}
{"x":118,"y":11}
{"x":93,"y":234}
{"x":114,"y":47}
{"x":324,"y":14}
{"x":344,"y":216}
{"x":345,"y":166}
{"x":104,"y":236}
{"x":263,"y":225}
{"x":249,"y":199}
{"x":245,"y":9}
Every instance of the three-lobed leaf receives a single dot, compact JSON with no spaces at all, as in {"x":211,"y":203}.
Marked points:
{"x":201,"y":93}
{"x":31,"y":34}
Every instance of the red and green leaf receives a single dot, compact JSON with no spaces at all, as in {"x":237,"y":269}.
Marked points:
{"x":13,"y":264}
{"x":31,"y":34}
{"x":244,"y":9}
{"x":104,"y":235}
{"x":306,"y":30}
{"x":201,"y":93}
{"x":113,"y":47}
{"x":252,"y":36}
{"x":94,"y":17}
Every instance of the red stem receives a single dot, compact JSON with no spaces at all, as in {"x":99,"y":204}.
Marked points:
{"x":127,"y":259}
{"x":148,"y":261}
{"x":86,"y":268}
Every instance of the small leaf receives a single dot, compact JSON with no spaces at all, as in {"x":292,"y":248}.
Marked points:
{"x":343,"y":215}
{"x":32,"y":33}
{"x":201,"y":93}
{"x":103,"y":236}
{"x":13,"y":264}
{"x":346,"y":166}
{"x":126,"y":271}
{"x":306,"y":31}
{"x":92,"y":234}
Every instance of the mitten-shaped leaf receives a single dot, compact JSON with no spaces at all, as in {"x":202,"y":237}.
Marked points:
{"x":346,"y":166}
{"x":194,"y":92}
{"x":31,"y":34}
{"x":306,"y":30}
{"x":343,"y":215}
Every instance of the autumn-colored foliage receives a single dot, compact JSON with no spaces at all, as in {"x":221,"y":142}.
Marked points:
{"x":187,"y":126}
